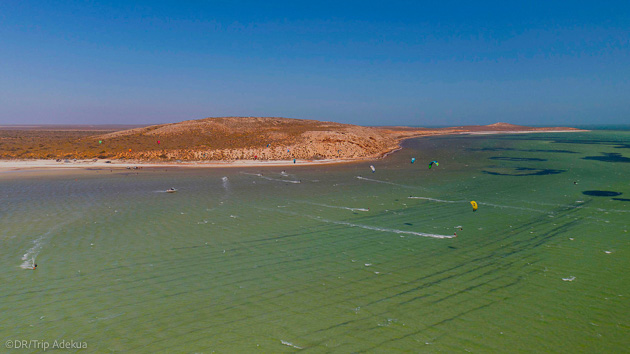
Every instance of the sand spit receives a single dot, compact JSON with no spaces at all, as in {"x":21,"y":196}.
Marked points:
{"x":216,"y":142}
{"x":34,"y":164}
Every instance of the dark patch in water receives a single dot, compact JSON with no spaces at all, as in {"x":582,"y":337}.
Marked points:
{"x":554,"y":151}
{"x":601,"y":193}
{"x":524,"y":150}
{"x":451,"y":247}
{"x":409,"y":224}
{"x":492,"y":149}
{"x":616,"y":145}
{"x":506,"y":158}
{"x":535,"y":172}
{"x":622,"y":199}
{"x":608,"y":157}
{"x":513,"y":252}
{"x":557,"y":140}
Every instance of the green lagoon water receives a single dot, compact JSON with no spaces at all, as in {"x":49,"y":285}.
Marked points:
{"x":331,"y":258}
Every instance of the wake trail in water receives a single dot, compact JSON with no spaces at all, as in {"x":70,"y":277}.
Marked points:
{"x":285,"y":174}
{"x":366,"y":227}
{"x":31,"y":254}
{"x":335,"y":206}
{"x":289,"y":344}
{"x":570,"y":206}
{"x":390,"y":183}
{"x":482,"y":203}
{"x":226,"y":184}
{"x":272,"y":179}
{"x":566,"y":206}
{"x":515,"y":207}
{"x":382,"y":229}
{"x":227,"y":192}
{"x":439,"y":200}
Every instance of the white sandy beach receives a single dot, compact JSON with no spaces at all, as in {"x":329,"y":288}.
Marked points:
{"x":19,"y":165}
{"x":41,"y":164}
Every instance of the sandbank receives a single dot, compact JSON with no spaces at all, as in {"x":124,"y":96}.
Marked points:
{"x":518,"y":132}
{"x":16,"y":165}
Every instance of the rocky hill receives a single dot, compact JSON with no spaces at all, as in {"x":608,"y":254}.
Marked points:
{"x":226,"y":138}
{"x":234,"y":138}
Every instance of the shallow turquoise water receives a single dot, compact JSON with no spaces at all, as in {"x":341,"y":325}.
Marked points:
{"x":243,"y":259}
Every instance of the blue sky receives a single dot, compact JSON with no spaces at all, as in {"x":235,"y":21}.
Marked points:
{"x":360,"y":62}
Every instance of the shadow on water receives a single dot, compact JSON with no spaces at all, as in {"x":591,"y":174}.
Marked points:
{"x":526,"y":172}
{"x":507,"y":158}
{"x":556,"y":140}
{"x":524,"y":150}
{"x":608,"y":157}
{"x":594,"y":142}
{"x":622,"y":199}
{"x":601,"y":193}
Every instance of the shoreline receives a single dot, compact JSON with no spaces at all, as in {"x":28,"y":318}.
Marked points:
{"x":18,"y":165}
{"x":41,"y":164}
{"x":490,"y":132}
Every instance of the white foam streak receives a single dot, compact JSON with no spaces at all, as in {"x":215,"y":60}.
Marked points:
{"x":482,"y":203}
{"x":336,"y":207}
{"x":290,"y":344}
{"x":272,"y":179}
{"x":390,"y":183}
{"x":382,"y":229}
{"x":29,"y":257}
{"x":439,"y":200}
{"x":31,"y":254}
{"x":367,"y":227}
{"x":569,"y":206}
{"x":108,"y":317}
{"x":226,"y":183}
{"x":514,"y":207}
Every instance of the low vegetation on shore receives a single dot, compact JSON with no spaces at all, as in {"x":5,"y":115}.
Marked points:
{"x":221,"y":139}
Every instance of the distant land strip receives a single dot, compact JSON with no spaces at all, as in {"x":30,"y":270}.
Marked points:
{"x":224,"y":139}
